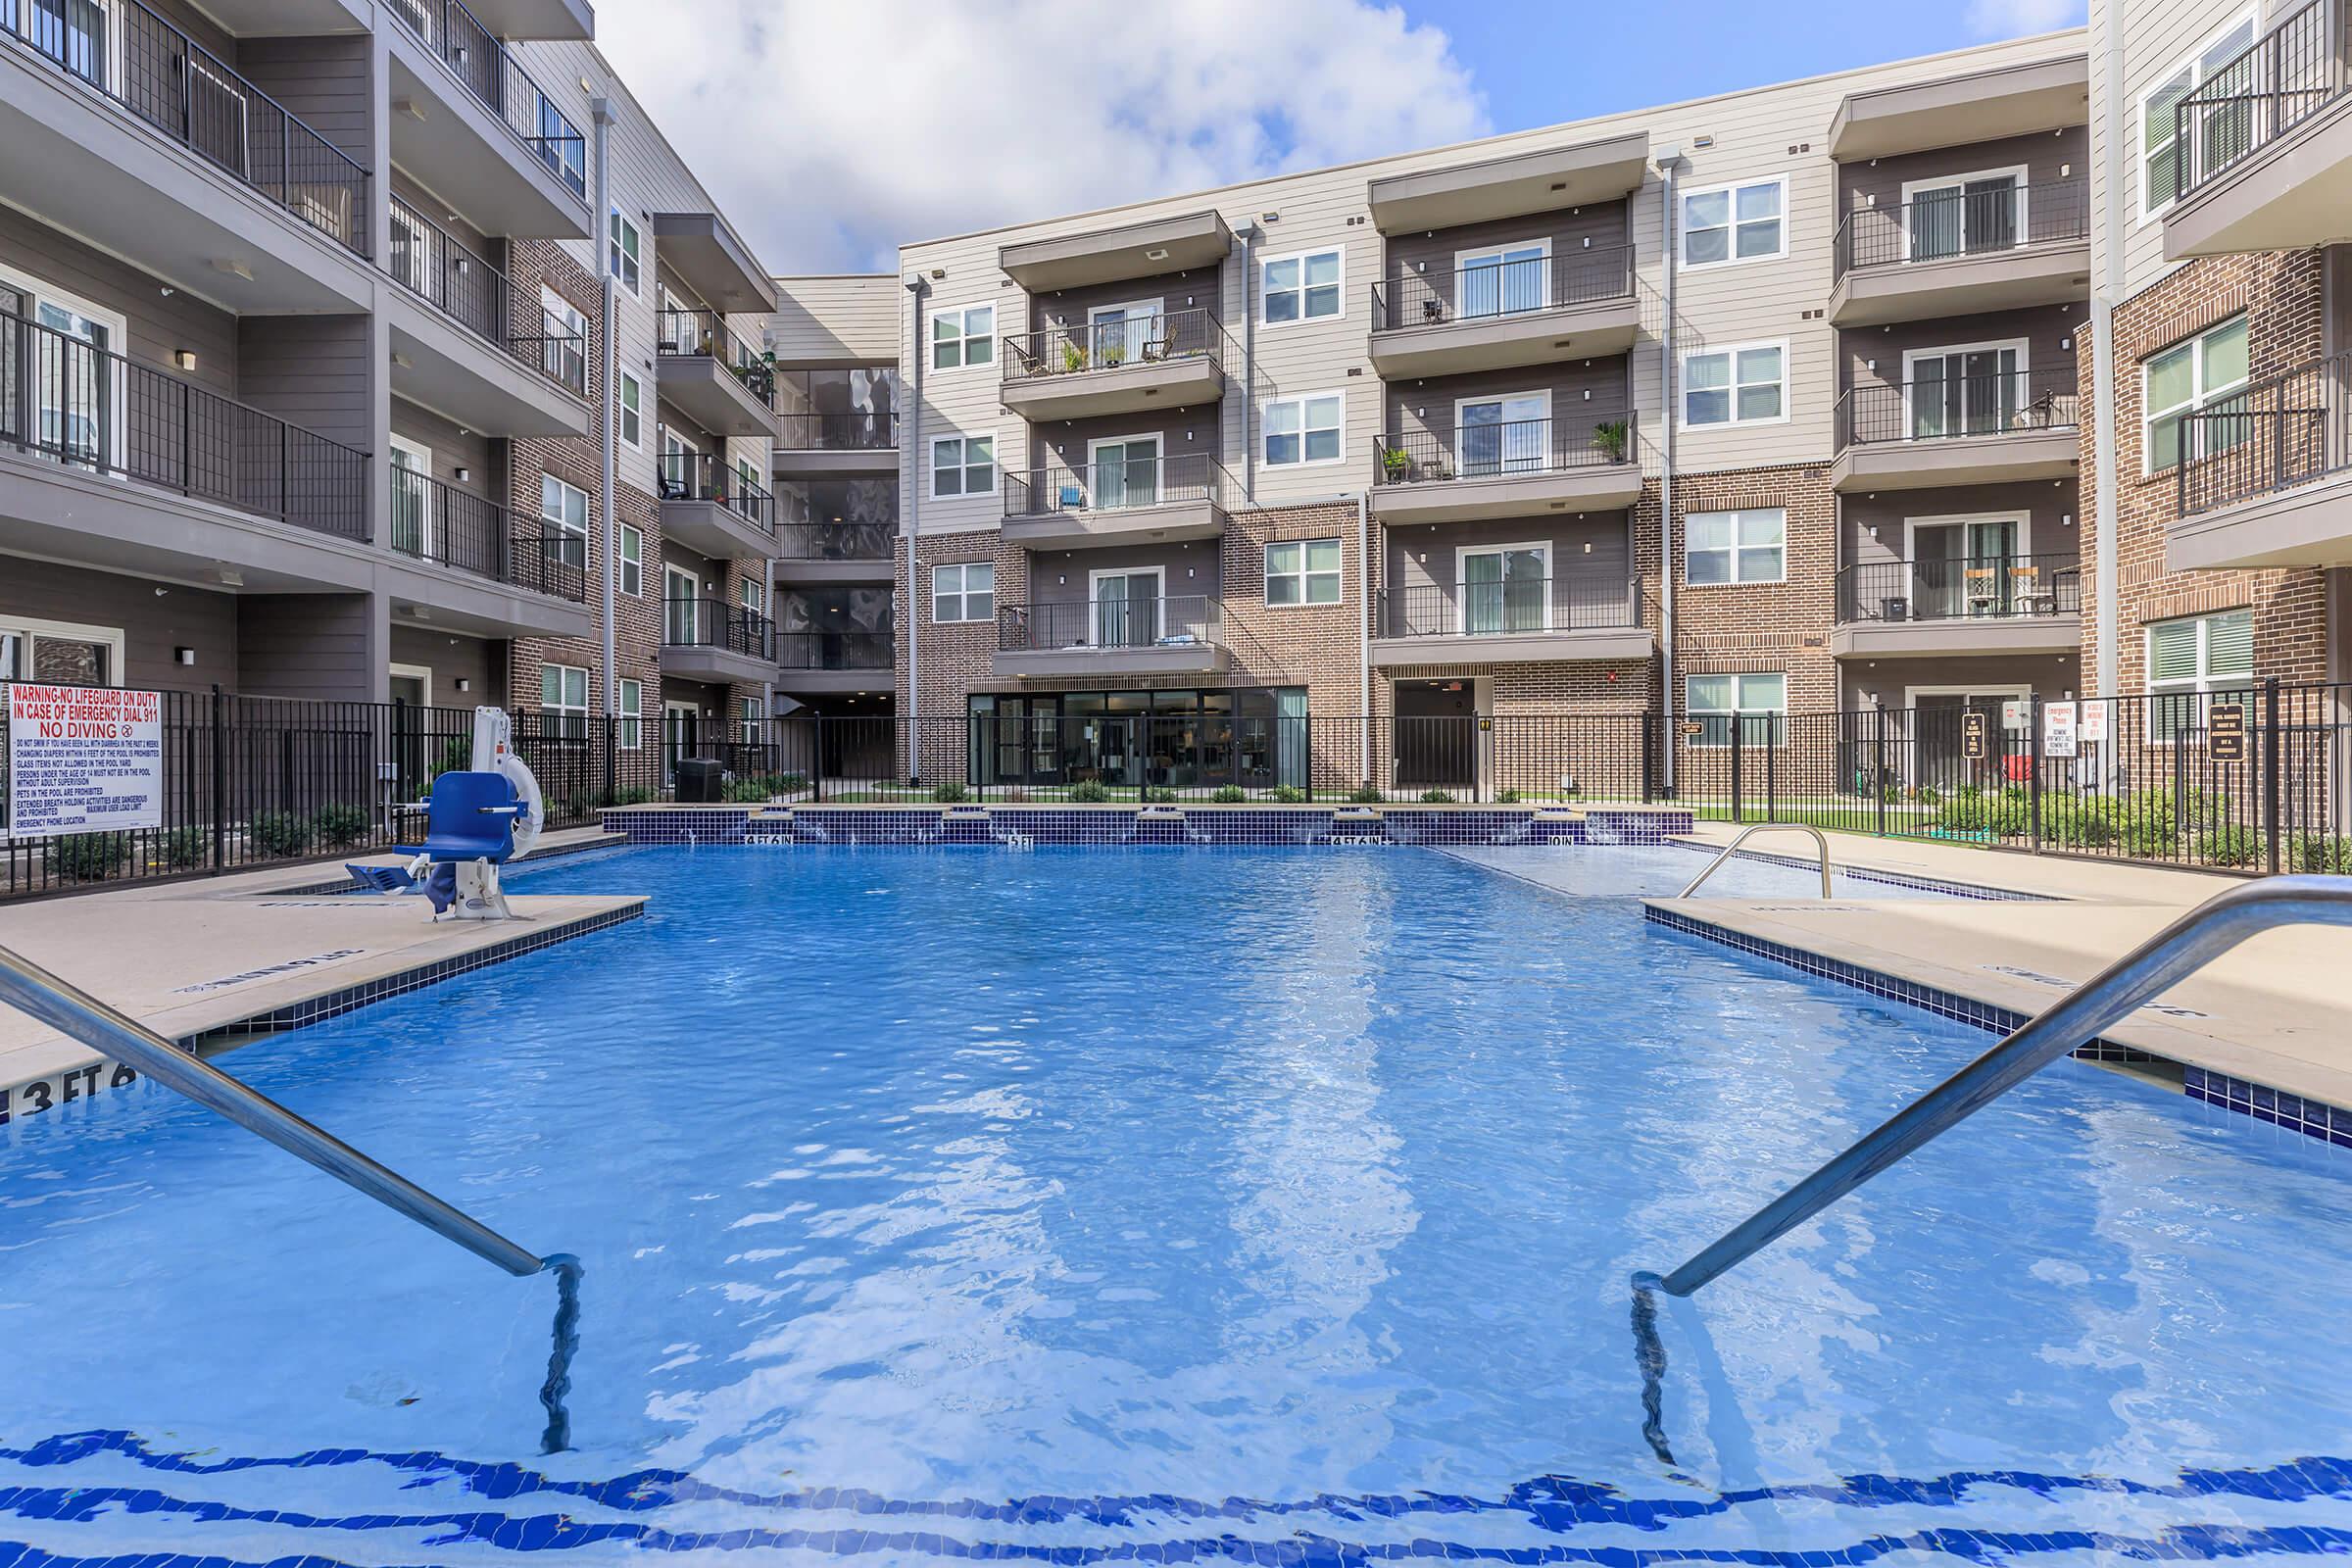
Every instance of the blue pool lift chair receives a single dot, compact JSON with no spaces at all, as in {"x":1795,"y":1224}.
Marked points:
{"x":468,"y":834}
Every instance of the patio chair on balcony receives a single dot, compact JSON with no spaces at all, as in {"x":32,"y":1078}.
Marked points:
{"x":2028,"y":594}
{"x":1981,"y":590}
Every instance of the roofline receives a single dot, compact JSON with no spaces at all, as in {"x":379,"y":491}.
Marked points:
{"x":830,"y":278}
{"x":620,"y":85}
{"x":2079,"y":36}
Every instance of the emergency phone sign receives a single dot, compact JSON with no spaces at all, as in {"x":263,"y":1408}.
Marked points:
{"x":83,"y":759}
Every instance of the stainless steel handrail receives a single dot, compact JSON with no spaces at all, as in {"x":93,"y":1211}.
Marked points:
{"x":40,"y":994}
{"x":2155,"y":967}
{"x":1747,"y":833}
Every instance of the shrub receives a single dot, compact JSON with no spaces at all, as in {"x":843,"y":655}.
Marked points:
{"x":182,"y":847}
{"x":789,"y":783}
{"x":748,"y":789}
{"x":88,"y":857}
{"x":2149,"y":829}
{"x":1437,"y":797}
{"x":1158,"y":795}
{"x":2080,"y":822}
{"x":2235,"y":843}
{"x":947,"y":793}
{"x":1972,"y":811}
{"x":2319,"y":854}
{"x":338,"y":827}
{"x":1506,"y":796}
{"x":635,"y":795}
{"x":1090,"y":791}
{"x":280,"y":833}
{"x":1228,"y":795}
{"x":1289,"y":794}
{"x":457,"y":755}
{"x":1365,"y":795}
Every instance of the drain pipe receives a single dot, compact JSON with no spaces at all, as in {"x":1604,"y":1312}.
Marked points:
{"x":601,"y":111}
{"x":2106,"y":580}
{"x":1668,"y":159}
{"x":1249,"y":237}
{"x":1364,"y":640}
{"x":916,"y":288}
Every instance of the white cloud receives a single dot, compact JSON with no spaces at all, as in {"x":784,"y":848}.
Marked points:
{"x":2016,"y":18}
{"x":830,"y":131}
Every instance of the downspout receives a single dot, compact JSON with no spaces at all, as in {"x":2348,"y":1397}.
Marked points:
{"x":1363,"y":643}
{"x":601,"y":111}
{"x":912,"y":467}
{"x":1667,"y":160}
{"x":1249,"y":238}
{"x":2103,"y":296}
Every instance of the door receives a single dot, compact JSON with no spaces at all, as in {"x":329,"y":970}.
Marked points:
{"x":1504,"y":589}
{"x":1968,"y":216}
{"x":1966,"y":391}
{"x":78,"y":34}
{"x":1965,"y":568}
{"x":1505,"y":435}
{"x":411,"y":497}
{"x":1122,"y":334}
{"x":681,"y":607}
{"x":415,"y":254}
{"x":1941,"y":731}
{"x":1127,"y":609}
{"x":1436,"y":735}
{"x":81,"y":388}
{"x":411,"y":694}
{"x":1505,"y":280}
{"x":1126,"y":472}
{"x":678,"y":723}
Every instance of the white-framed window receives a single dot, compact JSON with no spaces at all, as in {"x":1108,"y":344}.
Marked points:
{"x":565,"y":354}
{"x":749,"y":713}
{"x":2192,"y":375}
{"x":1302,"y":432}
{"x":83,"y":396}
{"x":961,"y":335}
{"x":2225,"y":131}
{"x":632,"y":715}
{"x":59,"y":653}
{"x":2202,"y":653}
{"x":632,"y":560}
{"x":1743,"y":384}
{"x":565,"y":508}
{"x":563,"y":699}
{"x":1309,"y":286}
{"x":561,"y":147}
{"x":752,"y":594}
{"x":629,"y":400}
{"x":1761,"y":699}
{"x":1726,"y":224}
{"x":963,"y":465}
{"x":1726,"y":548}
{"x":966,"y":591}
{"x":1302,"y":571}
{"x":628,"y":251}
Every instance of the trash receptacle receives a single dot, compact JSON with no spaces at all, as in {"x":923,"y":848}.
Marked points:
{"x":700,"y":780}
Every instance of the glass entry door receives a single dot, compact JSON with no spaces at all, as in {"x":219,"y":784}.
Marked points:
{"x":1506,"y":435}
{"x":1504,"y":590}
{"x":1966,"y":217}
{"x":1964,"y":392}
{"x":1122,"y":332}
{"x":1127,"y":609}
{"x":1126,"y":472}
{"x":1504,"y":280}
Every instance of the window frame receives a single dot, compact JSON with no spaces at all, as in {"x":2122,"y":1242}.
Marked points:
{"x":964,"y":592}
{"x":964,"y":338}
{"x":2193,"y":62}
{"x":963,"y":465}
{"x":1778,"y":727}
{"x":31,"y":628}
{"x":627,"y":563}
{"x":1337,"y":312}
{"x":2201,"y":397}
{"x":617,"y":225}
{"x":571,"y":721}
{"x":625,"y":414}
{"x":2020,"y":177}
{"x":630,"y":696}
{"x":562,"y":524}
{"x":2203,"y":682}
{"x":1303,"y":461}
{"x":1732,"y":352}
{"x":1736,"y":548}
{"x":1305,"y":572}
{"x":1731,"y":224}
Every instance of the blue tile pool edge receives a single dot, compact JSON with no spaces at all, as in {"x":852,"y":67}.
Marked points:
{"x":1134,"y":827}
{"x":2313,"y":1119}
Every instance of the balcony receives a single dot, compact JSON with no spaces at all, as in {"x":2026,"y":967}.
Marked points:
{"x":1963,"y":252}
{"x":706,"y":251}
{"x":1959,"y":605}
{"x":540,"y":571}
{"x":713,"y":511}
{"x":471,"y":125}
{"x":1495,"y":189}
{"x":710,"y":640}
{"x":1127,"y":366}
{"x":2262,"y":154}
{"x":1957,"y":111}
{"x":1149,"y":249}
{"x":1969,"y":429}
{"x":833,"y":663}
{"x":573,"y":20}
{"x":1526,"y":467}
{"x":115,"y":126}
{"x":1525,"y":620}
{"x":817,"y":446}
{"x":454,"y":305}
{"x":1579,"y":304}
{"x":1115,"y":502}
{"x":1178,"y":635}
{"x":813,"y":553}
{"x":2271,"y":481}
{"x":713,"y":375}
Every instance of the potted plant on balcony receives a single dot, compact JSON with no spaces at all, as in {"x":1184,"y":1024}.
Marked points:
{"x":1611,"y":438}
{"x":1073,"y":357}
{"x":1396,"y":465}
{"x":1114,"y":353}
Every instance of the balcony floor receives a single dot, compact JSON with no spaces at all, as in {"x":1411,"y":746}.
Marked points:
{"x":1173,"y":658}
{"x":2309,"y":526}
{"x":1614,"y":643}
{"x":1507,"y":342}
{"x":1602,"y":487}
{"x":1152,"y":384}
{"x":2050,"y":273}
{"x":1118,"y":525}
{"x":1928,"y":463}
{"x":1958,"y":636}
{"x":2287,"y":196}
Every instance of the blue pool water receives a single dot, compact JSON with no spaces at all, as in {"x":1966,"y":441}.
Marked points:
{"x":1271,"y":1207}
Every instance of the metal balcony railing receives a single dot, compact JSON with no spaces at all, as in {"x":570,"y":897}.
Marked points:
{"x":88,"y":408}
{"x":1960,"y":588}
{"x":702,"y":476}
{"x":837,"y":649}
{"x":1498,"y":289}
{"x":1179,"y":620}
{"x":2285,"y":76}
{"x":434,"y":521}
{"x":1980,"y":218}
{"x":706,"y":623}
{"x":1514,"y":447}
{"x":431,"y":263}
{"x":2288,"y":430}
{"x":489,"y":71}
{"x":700,"y":333}
{"x":837,"y":541}
{"x":1163,"y":339}
{"x":1957,"y":407}
{"x":836,"y":432}
{"x":1517,"y":608}
{"x":187,"y":95}
{"x":1114,"y":485}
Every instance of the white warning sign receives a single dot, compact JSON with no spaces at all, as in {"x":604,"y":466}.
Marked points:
{"x":83,"y":759}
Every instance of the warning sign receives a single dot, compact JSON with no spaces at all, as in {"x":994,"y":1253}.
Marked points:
{"x":83,"y":759}
{"x":2226,"y":732}
{"x":2058,"y":729}
{"x":1972,"y":735}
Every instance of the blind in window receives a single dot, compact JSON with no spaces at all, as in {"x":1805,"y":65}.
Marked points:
{"x":2172,"y":652}
{"x":2229,"y":644}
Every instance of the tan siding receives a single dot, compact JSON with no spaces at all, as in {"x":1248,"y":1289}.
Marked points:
{"x":848,"y":320}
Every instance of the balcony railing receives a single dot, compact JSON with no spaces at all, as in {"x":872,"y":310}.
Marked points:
{"x":1165,"y":339}
{"x":1180,"y":621}
{"x":187,"y":95}
{"x":1515,"y":609}
{"x":1957,"y":407}
{"x":1501,"y":289}
{"x":1114,"y":485}
{"x":702,"y":476}
{"x":433,"y":521}
{"x":704,"y":334}
{"x":837,"y":541}
{"x":488,"y":70}
{"x":704,"y":622}
{"x":1985,"y":220}
{"x":429,"y":262}
{"x":1960,"y":588}
{"x":1511,"y":447}
{"x":87,"y":408}
{"x":2275,"y":435}
{"x":2288,"y":75}
{"x":837,"y":649}
{"x":836,"y":432}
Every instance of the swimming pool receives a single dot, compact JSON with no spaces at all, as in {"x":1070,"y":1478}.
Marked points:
{"x":1081,"y":1206}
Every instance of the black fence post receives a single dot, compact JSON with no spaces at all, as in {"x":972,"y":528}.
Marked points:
{"x":1739,"y":807}
{"x":2272,"y":736}
{"x":816,"y":758}
{"x":219,"y":780}
{"x":1772,"y":772}
{"x":2034,"y":778}
{"x":1651,"y":724}
{"x":612,"y":729}
{"x":1878,"y":769}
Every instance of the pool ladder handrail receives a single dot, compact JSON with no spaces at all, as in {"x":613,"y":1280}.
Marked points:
{"x":1820,"y":842}
{"x":2153,"y":967}
{"x":73,"y":1012}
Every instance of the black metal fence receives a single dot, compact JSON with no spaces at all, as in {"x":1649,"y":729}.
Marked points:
{"x":1959,"y":407}
{"x":436,"y":267}
{"x":1174,"y":621}
{"x":1974,"y":218}
{"x":1116,"y":485}
{"x":2277,"y":434}
{"x":705,"y":477}
{"x":2285,"y":76}
{"x":1518,"y":286}
{"x":1960,"y":588}
{"x":1146,"y":338}
{"x":1478,"y":450}
{"x":488,"y":69}
{"x":702,"y":621}
{"x":1502,"y":608}
{"x":441,"y":523}
{"x":861,"y":431}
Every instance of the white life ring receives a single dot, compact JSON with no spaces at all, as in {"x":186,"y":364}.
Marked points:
{"x":533,"y":815}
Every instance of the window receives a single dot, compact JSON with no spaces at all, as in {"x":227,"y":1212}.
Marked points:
{"x":83,"y":396}
{"x":1736,"y":224}
{"x":2200,"y":653}
{"x":1741,"y":385}
{"x":2187,"y":378}
{"x":753,"y":595}
{"x":1303,"y":571}
{"x":565,"y":508}
{"x":1299,"y":431}
{"x":965,"y":336}
{"x":632,"y":411}
{"x":2225,"y":131}
{"x":628,"y":250}
{"x":564,"y":353}
{"x":564,"y":700}
{"x":1736,"y":547}
{"x":681,"y":607}
{"x":1964,"y":215}
{"x":963,"y":465}
{"x":966,"y":592}
{"x":632,"y":560}
{"x":1760,"y":699}
{"x":1504,"y":279}
{"x":749,"y":712}
{"x":633,"y":713}
{"x":1300,"y":288}
{"x":59,"y":653}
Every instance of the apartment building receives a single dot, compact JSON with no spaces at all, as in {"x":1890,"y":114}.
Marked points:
{"x":303,"y":355}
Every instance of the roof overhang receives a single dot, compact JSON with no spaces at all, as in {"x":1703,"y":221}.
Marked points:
{"x":706,"y":253}
{"x":1107,"y":255}
{"x":1509,"y":187}
{"x":1981,"y":106}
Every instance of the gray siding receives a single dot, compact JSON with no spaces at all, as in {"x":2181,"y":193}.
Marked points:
{"x":151,"y":626}
{"x":1601,"y":388}
{"x":1066,"y":577}
{"x":307,"y":645}
{"x":2056,"y":522}
{"x":451,"y":659}
{"x":454,"y":449}
{"x":1181,"y":432}
{"x":159,"y":324}
{"x":1195,"y":289}
{"x":311,"y":371}
{"x":2047,"y":158}
{"x":1570,"y":230}
{"x":322,"y":83}
{"x":1425,"y":555}
{"x":2051,"y":332}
